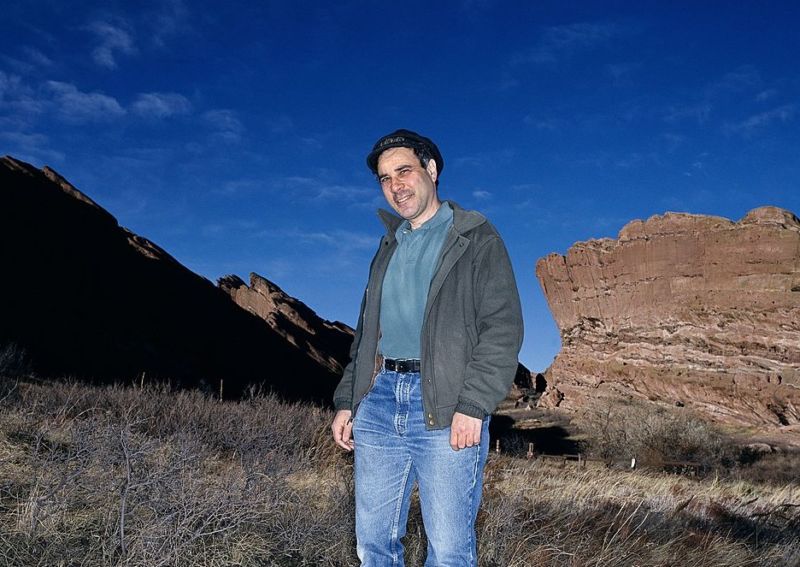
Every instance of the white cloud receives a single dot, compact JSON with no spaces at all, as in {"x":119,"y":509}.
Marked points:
{"x":744,"y":78}
{"x":699,"y":112}
{"x":30,"y":147}
{"x":30,"y":61}
{"x":633,"y":159}
{"x":550,"y":123}
{"x":322,"y":251}
{"x":37,"y":57}
{"x":226,"y":124}
{"x":557,"y":41}
{"x":766,"y":95}
{"x":75,"y":106}
{"x":113,"y":40}
{"x":23,"y":139}
{"x":161,"y":105}
{"x":19,"y":104}
{"x":341,"y":240}
{"x":316,"y":189}
{"x":8,"y":85}
{"x":169,"y":20}
{"x":235,"y":187}
{"x":481,"y":195}
{"x":751,"y":125}
{"x":621,"y":72}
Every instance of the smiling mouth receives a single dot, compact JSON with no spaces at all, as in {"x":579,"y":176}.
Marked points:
{"x":403,"y":199}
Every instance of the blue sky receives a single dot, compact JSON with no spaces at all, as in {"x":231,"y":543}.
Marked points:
{"x":234,"y":134}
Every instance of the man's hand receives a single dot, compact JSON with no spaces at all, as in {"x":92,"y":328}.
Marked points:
{"x":465,"y":431}
{"x":342,"y":428}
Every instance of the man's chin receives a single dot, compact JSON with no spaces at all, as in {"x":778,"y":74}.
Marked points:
{"x":407,"y":214}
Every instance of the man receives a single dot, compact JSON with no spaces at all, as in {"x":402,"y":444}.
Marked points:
{"x":435,"y":350}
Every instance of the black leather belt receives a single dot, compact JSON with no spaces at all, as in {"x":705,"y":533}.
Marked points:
{"x":401,"y":364}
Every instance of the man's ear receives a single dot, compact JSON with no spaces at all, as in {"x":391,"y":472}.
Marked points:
{"x":431,"y":168}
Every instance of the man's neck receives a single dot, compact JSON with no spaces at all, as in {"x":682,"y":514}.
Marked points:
{"x":416,"y":223}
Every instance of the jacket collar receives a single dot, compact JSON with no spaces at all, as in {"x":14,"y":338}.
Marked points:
{"x":463,"y":220}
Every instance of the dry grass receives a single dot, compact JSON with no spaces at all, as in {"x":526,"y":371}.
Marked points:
{"x":102,"y":476}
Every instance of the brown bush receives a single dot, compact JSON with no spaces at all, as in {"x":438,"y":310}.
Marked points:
{"x":654,"y":435}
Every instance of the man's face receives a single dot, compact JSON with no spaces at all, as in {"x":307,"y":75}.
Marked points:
{"x":409,"y":188}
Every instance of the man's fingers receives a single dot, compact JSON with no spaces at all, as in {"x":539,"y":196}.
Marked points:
{"x":461,"y":438}
{"x":347,"y":435}
{"x":342,"y":429}
{"x":465,"y":431}
{"x":344,"y":439}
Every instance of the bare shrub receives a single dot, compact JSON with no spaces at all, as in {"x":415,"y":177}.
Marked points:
{"x":654,"y":435}
{"x":157,"y":477}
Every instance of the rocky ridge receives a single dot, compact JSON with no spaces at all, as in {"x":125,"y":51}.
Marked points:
{"x":681,"y":309}
{"x":82,"y":296}
{"x":325,"y":341}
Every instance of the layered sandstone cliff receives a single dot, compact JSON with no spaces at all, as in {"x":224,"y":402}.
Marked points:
{"x":683,"y":309}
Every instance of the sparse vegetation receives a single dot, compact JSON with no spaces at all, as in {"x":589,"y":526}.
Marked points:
{"x":655,"y":435}
{"x":106,"y":476}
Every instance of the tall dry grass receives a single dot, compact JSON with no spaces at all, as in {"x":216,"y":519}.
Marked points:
{"x":107,"y":476}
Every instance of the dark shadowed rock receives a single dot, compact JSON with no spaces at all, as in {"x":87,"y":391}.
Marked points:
{"x":83,"y":296}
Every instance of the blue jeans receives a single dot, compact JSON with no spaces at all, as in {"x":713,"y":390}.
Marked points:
{"x":392,"y":451}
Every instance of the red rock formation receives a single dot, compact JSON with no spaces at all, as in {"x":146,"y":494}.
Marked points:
{"x":682,"y":309}
{"x":326,"y":342}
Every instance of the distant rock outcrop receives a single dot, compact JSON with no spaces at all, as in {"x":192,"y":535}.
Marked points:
{"x":682,"y":309}
{"x":326,"y":342}
{"x":82,"y":296}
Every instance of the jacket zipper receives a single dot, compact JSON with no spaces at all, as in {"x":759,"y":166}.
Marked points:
{"x":429,"y":334}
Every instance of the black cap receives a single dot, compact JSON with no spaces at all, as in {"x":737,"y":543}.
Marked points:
{"x":404,"y":139}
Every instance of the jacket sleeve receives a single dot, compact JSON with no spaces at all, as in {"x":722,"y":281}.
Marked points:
{"x":343,"y":395}
{"x":498,"y":320}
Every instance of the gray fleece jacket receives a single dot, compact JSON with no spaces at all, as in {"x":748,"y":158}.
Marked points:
{"x":472,"y":327}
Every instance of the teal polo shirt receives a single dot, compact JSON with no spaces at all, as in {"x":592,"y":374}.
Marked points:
{"x":407,"y":281}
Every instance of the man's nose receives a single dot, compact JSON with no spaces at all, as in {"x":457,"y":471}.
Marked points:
{"x":395,"y":184}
